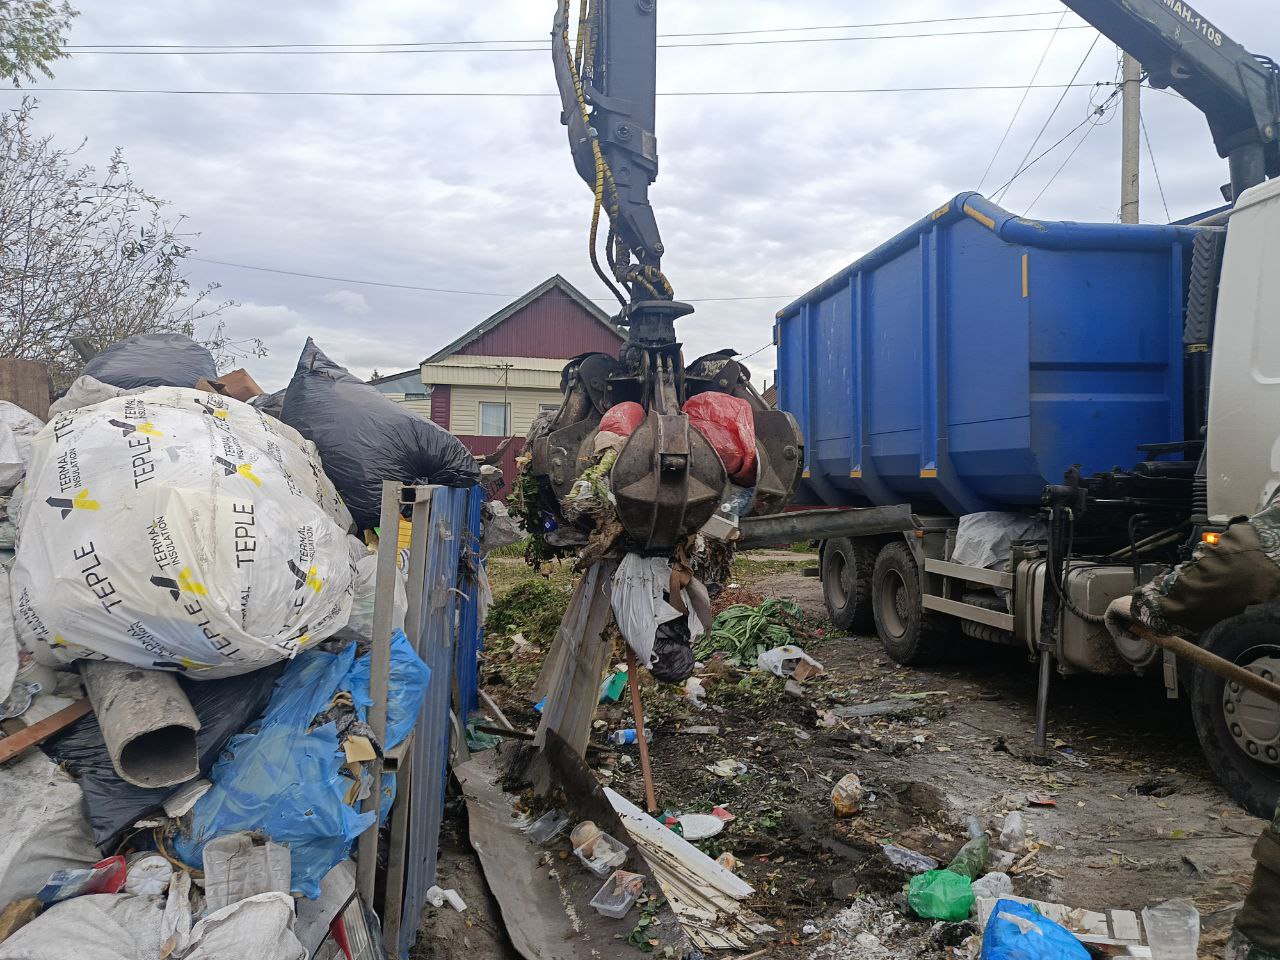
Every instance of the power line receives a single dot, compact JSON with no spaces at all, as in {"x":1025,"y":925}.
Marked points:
{"x":449,"y":290}
{"x":1115,"y":93}
{"x":545,"y":47}
{"x":1155,"y":169}
{"x":1054,"y":112}
{"x":28,"y":91}
{"x":540,"y":40}
{"x":1063,"y":167}
{"x":1025,"y":93}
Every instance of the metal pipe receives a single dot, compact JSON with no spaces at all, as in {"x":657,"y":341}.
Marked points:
{"x":147,"y":723}
{"x":1210,"y":661}
{"x":832,"y":522}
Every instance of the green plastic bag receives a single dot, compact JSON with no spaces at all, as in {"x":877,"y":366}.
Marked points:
{"x":941,"y":895}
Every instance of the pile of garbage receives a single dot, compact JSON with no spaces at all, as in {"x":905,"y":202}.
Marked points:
{"x":187,"y":575}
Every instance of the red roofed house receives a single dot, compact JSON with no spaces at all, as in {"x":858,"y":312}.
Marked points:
{"x":492,"y":381}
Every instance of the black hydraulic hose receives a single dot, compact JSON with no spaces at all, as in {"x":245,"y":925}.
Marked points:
{"x":1059,"y":588}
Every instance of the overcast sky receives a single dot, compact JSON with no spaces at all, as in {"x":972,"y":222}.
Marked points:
{"x":760,"y":195}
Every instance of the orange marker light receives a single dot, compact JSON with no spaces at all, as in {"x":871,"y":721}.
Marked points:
{"x":1210,"y":537}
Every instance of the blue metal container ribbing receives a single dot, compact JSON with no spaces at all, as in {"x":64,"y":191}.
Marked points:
{"x":976,"y":356}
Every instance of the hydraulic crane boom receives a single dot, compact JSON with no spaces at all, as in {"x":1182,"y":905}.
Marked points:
{"x":1237,"y":91}
{"x":667,"y":479}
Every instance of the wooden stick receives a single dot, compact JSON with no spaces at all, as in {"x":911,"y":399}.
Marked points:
{"x":42,"y":730}
{"x":638,"y":712}
{"x":1210,"y":661}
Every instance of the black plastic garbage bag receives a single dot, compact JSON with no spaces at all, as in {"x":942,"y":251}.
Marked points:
{"x":153,"y":360}
{"x":674,"y":652}
{"x":365,"y":438}
{"x":224,"y":707}
{"x":272,"y":404}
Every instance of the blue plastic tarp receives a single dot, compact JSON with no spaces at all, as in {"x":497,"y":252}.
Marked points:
{"x":286,"y":781}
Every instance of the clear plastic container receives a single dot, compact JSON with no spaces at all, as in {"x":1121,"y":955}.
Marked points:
{"x":1173,"y":930}
{"x":602,"y":854}
{"x":547,"y":827}
{"x":618,"y":895}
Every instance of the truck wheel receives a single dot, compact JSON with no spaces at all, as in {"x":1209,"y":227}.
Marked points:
{"x":846,"y":582}
{"x":911,"y":636}
{"x":1239,"y":731}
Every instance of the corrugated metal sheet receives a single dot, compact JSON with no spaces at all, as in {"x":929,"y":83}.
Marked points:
{"x":441,"y":405}
{"x":449,"y":624}
{"x":551,"y":326}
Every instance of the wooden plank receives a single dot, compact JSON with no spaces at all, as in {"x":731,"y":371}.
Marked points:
{"x":960,"y":571}
{"x":26,"y":383}
{"x":967,"y":611}
{"x":42,"y":730}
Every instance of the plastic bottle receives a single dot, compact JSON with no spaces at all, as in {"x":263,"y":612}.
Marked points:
{"x":1173,"y":930}
{"x":972,"y":858}
{"x":621,"y":738}
{"x":1013,"y":836}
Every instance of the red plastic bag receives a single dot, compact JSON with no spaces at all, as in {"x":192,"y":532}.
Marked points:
{"x":729,"y":427}
{"x":622,"y":418}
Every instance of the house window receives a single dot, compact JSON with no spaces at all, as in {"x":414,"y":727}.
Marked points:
{"x":548,"y":407}
{"x":415,"y":396}
{"x":495,"y":419}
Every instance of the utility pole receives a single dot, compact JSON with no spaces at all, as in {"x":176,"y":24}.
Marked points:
{"x":1131,"y":131}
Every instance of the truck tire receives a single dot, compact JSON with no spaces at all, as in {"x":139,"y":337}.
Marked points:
{"x":846,"y":582}
{"x":1225,"y":737}
{"x":911,"y":635}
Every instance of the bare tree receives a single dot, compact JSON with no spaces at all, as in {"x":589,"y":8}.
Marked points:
{"x":89,"y":254}
{"x":32,"y":33}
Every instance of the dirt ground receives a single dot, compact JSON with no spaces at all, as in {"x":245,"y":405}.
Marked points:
{"x":1137,"y":820}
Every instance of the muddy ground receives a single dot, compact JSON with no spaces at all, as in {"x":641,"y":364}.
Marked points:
{"x":1138,"y":818}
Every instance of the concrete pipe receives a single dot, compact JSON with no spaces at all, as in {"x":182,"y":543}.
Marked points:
{"x":147,"y":723}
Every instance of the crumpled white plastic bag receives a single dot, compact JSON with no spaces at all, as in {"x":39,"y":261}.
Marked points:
{"x":639,"y":607}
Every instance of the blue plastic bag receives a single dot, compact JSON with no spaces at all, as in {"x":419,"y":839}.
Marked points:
{"x":1017,"y":931}
{"x":411,"y":679}
{"x":284,"y":781}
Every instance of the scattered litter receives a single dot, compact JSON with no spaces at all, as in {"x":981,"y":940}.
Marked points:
{"x":105,"y":876}
{"x":993,"y":886}
{"x":972,"y":858}
{"x":908,"y":860}
{"x":1173,"y":929}
{"x":547,"y":827}
{"x":941,"y":895}
{"x":618,"y":895}
{"x":918,"y":695}
{"x":846,"y":796}
{"x":789,"y":661}
{"x":584,"y":833}
{"x":1013,"y":835}
{"x":438,"y":897}
{"x":809,"y":929}
{"x":601,"y":853}
{"x":728,"y":861}
{"x":1017,"y":932}
{"x":612,"y":686}
{"x":700,"y":826}
{"x":728,"y":768}
{"x":694,"y":692}
{"x":1041,"y":800}
{"x":792,"y":688}
{"x":723,"y":814}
